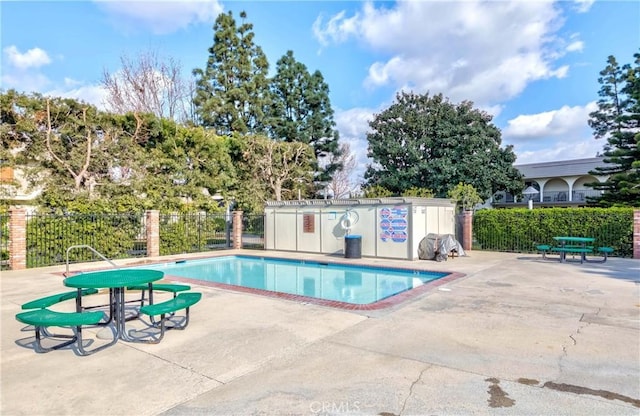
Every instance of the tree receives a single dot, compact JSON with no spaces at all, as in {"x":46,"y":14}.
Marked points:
{"x":618,"y":120}
{"x":301,"y":111}
{"x":465,"y":196}
{"x":341,"y":184}
{"x":83,"y":149}
{"x":419,"y":193}
{"x":232,"y":90}
{"x":80,"y":172}
{"x":278,"y":165}
{"x":187,"y":167}
{"x":148,"y":84}
{"x":428,"y":142}
{"x":376,"y":191}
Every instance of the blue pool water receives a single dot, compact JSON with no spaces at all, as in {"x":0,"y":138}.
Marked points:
{"x":344,"y":283}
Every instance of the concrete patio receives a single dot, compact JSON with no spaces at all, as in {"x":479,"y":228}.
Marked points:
{"x":517,"y":335}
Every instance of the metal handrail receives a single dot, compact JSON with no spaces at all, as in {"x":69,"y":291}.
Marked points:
{"x":93,"y":250}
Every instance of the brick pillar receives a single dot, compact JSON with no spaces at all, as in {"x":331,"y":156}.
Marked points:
{"x":636,"y":234}
{"x":237,"y":229}
{"x":467,"y":230}
{"x":153,"y":233}
{"x":17,"y":238}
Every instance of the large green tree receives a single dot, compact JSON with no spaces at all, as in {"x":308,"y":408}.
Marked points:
{"x":62,"y":144}
{"x":232,"y":90}
{"x":186,"y":168}
{"x":80,"y":157}
{"x":618,"y":120}
{"x":301,"y":111}
{"x":424,"y":141}
{"x":273,"y":169}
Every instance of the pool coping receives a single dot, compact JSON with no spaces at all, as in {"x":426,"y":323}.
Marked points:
{"x":389,"y":302}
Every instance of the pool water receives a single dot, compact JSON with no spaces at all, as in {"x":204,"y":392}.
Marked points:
{"x":359,"y":285}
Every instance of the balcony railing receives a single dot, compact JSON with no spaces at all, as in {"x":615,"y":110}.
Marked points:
{"x":551,"y":197}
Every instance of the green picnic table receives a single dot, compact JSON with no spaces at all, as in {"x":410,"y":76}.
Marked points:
{"x":574,"y":245}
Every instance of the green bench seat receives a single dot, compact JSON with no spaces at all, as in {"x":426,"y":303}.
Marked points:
{"x":583,"y":251}
{"x":577,"y":246}
{"x":572,"y":249}
{"x":604,"y":251}
{"x":543,"y":248}
{"x":43,"y":318}
{"x":181,"y":301}
{"x":51,"y":300}
{"x":158,"y":287}
{"x":164,"y":287}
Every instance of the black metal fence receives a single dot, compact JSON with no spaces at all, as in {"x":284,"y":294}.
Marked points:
{"x":520,"y":230}
{"x":253,"y":231}
{"x":117,"y":236}
{"x":124,"y":235}
{"x":113,"y":235}
{"x":194,"y":232}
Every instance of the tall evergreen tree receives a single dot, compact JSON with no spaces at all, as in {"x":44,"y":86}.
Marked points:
{"x":301,"y":112}
{"x":232,"y":90}
{"x":428,"y":142}
{"x":618,"y":120}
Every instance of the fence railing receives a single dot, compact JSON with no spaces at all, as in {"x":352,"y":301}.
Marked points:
{"x":519,"y":231}
{"x":253,"y":231}
{"x":194,"y":232}
{"x":124,"y":235}
{"x":119,"y":236}
{"x":577,"y":196}
{"x":116,"y":236}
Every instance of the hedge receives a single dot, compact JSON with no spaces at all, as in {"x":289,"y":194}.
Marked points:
{"x":520,"y":230}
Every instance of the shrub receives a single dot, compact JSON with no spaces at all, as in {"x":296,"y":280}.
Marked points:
{"x":520,"y":230}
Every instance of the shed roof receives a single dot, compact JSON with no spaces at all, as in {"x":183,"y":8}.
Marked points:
{"x":576,"y":167}
{"x":363,"y":201}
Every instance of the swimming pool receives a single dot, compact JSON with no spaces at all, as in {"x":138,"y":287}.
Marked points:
{"x":329,"y":282}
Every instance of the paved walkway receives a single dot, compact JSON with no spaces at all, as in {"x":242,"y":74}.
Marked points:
{"x":516,"y":336}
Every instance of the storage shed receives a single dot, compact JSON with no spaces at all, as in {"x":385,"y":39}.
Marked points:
{"x":382,"y":227}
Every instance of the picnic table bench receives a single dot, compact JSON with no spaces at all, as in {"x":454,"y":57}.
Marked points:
{"x":581,"y":248}
{"x":117,"y":281}
{"x":574,"y":250}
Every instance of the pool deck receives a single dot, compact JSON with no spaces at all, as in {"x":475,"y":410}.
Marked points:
{"x":516,"y":335}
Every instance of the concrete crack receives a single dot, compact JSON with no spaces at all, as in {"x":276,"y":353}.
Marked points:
{"x":573,"y":338}
{"x":404,"y":404}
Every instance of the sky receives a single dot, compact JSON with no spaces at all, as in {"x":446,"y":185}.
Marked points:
{"x":532,"y":65}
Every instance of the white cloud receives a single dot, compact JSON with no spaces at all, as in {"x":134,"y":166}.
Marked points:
{"x":92,"y":94}
{"x":353,"y":125}
{"x":162,"y":16}
{"x":33,"y":58}
{"x":553,"y":135}
{"x":559,"y":123}
{"x":583,"y":6}
{"x":564,"y":150}
{"x":487,"y":52}
{"x":336,"y":30}
{"x":24,"y":81}
{"x":70,"y":82}
{"x":576,"y":46}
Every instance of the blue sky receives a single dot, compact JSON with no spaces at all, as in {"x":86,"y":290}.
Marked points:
{"x":532,"y":64}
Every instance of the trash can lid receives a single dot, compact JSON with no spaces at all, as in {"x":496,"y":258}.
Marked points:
{"x":353,"y":236}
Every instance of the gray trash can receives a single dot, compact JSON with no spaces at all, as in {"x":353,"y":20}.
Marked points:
{"x":353,"y":246}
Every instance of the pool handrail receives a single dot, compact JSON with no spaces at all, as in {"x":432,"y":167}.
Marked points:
{"x":93,"y":250}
